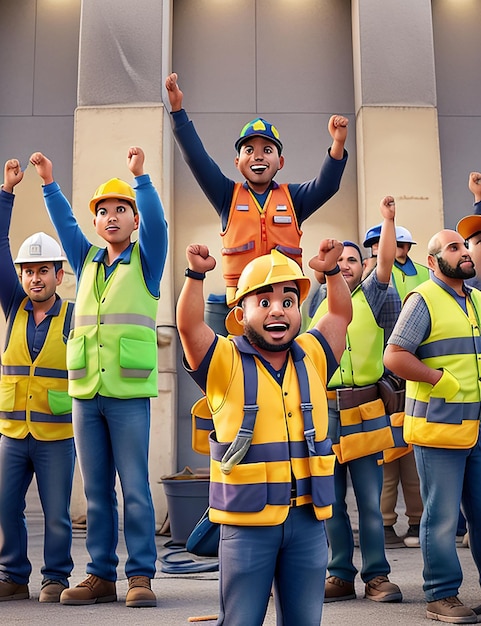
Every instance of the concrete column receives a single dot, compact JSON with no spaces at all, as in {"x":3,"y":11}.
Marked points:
{"x":396,"y":115}
{"x":119,"y":98}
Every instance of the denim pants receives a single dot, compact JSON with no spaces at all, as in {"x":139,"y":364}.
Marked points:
{"x":366,"y":477}
{"x":293,"y":555}
{"x":112,"y":435}
{"x":52,"y":462}
{"x":448,"y":477}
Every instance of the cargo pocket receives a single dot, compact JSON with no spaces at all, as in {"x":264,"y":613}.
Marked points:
{"x":76,"y":358}
{"x":7,"y":396}
{"x":137,"y":358}
{"x":59,"y":402}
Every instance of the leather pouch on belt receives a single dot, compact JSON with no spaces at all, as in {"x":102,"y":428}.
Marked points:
{"x":365,"y":430}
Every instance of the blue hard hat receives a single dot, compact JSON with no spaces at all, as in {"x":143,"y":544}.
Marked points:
{"x":259,"y":128}
{"x":372,"y":236}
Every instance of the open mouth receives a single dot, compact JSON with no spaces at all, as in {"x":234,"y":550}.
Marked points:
{"x":258,"y":169}
{"x":276,"y":327}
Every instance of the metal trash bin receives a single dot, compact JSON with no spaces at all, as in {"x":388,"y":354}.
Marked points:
{"x":187,"y":494}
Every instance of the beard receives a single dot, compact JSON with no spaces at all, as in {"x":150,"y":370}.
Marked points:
{"x":256,"y":340}
{"x":455,"y":272}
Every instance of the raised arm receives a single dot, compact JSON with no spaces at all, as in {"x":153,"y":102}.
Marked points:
{"x":386,"y":252}
{"x":334,"y":324}
{"x":474,"y":184}
{"x":337,"y":127}
{"x":135,"y":160}
{"x":175,"y":94}
{"x":43,"y":166}
{"x":195,"y":335}
{"x":12,"y":175}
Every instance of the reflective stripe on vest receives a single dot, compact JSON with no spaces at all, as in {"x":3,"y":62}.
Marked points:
{"x":113,"y":347}
{"x":33,"y":395}
{"x":447,"y":415}
{"x":252,"y":230}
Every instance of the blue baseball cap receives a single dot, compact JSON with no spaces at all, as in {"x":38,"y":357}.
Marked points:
{"x":259,"y":128}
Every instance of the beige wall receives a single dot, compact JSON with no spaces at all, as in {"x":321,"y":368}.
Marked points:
{"x":293,"y":62}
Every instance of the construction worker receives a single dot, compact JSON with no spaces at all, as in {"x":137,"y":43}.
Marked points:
{"x":406,"y":275}
{"x":435,"y":347}
{"x":35,"y":408}
{"x":112,"y":362}
{"x":271,"y":464}
{"x":358,"y":425}
{"x":259,"y":214}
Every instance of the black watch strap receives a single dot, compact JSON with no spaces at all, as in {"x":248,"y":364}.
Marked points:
{"x":195,"y":275}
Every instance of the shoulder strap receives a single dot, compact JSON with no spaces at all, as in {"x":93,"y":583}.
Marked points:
{"x":68,"y":321}
{"x":239,"y":447}
{"x":306,"y":406}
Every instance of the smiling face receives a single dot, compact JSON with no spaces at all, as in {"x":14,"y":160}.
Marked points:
{"x":449,"y":258}
{"x":259,"y":161}
{"x":351,"y":266}
{"x":115,"y":221}
{"x":39,"y":281}
{"x":271,"y":316}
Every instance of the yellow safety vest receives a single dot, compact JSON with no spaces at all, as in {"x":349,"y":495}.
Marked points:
{"x":447,"y":415}
{"x":33,"y":394}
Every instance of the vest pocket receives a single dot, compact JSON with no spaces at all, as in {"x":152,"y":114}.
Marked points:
{"x":7,"y":396}
{"x":244,"y":490}
{"x":76,"y":359}
{"x":59,"y":402}
{"x":137,"y":358}
{"x":365,"y":430}
{"x":322,"y":479}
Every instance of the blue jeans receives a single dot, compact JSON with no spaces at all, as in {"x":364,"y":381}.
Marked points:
{"x":112,"y":435}
{"x":366,"y":477}
{"x":293,"y":555}
{"x":448,"y":477}
{"x":52,"y":462}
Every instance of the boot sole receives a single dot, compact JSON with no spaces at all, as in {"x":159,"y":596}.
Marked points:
{"x":101,"y":600}
{"x":340,"y":598}
{"x":138,"y":604}
{"x":393,"y":597}
{"x":465,"y":619}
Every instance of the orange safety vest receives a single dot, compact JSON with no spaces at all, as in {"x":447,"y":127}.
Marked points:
{"x":253,"y":230}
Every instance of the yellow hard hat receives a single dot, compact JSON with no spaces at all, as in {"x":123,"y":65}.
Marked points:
{"x":268,"y":269}
{"x":113,"y":188}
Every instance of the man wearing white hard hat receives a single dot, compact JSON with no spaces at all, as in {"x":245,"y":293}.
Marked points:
{"x":35,"y":408}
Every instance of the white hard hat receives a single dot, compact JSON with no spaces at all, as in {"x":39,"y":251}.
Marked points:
{"x":39,"y":247}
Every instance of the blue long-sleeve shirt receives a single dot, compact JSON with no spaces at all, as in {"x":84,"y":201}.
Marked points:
{"x":307,"y":197}
{"x":12,"y":293}
{"x":152,"y":232}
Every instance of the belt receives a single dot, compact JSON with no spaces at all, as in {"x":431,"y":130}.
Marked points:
{"x":349,"y":397}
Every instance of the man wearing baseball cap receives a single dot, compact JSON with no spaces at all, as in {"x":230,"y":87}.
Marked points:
{"x":259,"y":214}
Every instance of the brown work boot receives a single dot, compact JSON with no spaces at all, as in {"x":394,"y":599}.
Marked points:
{"x":90,"y":591}
{"x":51,"y":591}
{"x":380,"y":589}
{"x":139,"y":593}
{"x":13,"y":591}
{"x":337,"y":589}
{"x":451,"y":610}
